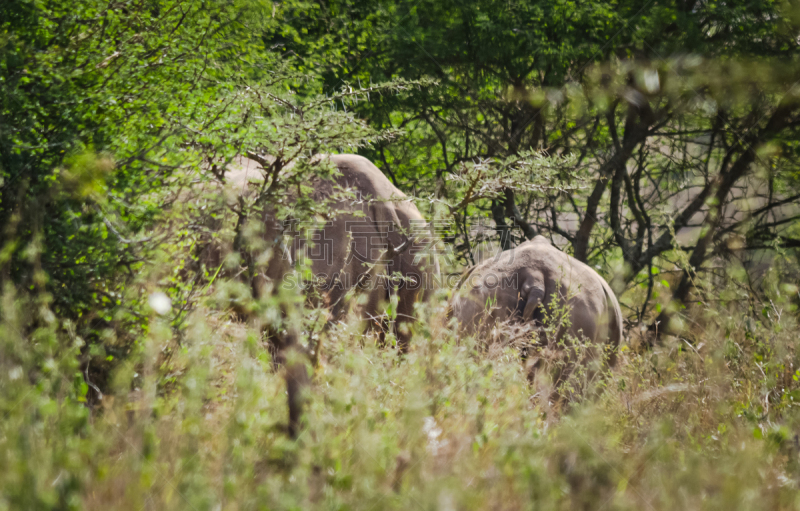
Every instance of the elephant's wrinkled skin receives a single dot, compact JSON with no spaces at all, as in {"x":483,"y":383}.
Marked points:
{"x":522,"y":282}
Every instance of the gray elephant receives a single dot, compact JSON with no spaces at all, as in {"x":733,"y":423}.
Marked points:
{"x":375,"y":239}
{"x":520,"y":286}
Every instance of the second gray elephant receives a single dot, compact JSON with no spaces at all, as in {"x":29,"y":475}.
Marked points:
{"x":521,"y":285}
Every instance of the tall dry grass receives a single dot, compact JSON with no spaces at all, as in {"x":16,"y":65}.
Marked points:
{"x":703,"y":422}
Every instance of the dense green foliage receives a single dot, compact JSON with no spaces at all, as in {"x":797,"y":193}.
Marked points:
{"x":657,"y":141}
{"x":109,"y":113}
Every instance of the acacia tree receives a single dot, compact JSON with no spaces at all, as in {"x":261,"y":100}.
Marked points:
{"x":677,"y":110}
